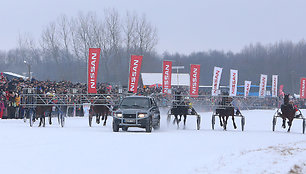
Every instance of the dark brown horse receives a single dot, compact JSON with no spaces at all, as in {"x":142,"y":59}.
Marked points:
{"x":179,"y":109}
{"x":226,"y":110}
{"x":288,"y":112}
{"x":101,"y":112}
{"x":42,"y":109}
{"x":100,"y":108}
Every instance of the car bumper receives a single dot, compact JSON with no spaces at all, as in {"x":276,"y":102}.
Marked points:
{"x":131,"y":122}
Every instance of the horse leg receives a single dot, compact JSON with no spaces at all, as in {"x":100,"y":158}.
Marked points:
{"x":290,"y":124}
{"x":105,"y":119}
{"x":40,"y":122}
{"x":220,"y":118}
{"x":284,"y":123}
{"x":176,"y":120}
{"x":225,"y":118}
{"x":185,"y":118}
{"x":98,"y":118}
{"x":43,"y":120}
{"x":233,"y":118}
{"x":175,"y":117}
{"x":50,"y":118}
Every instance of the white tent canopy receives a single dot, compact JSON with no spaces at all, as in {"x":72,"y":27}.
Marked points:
{"x":14,"y":75}
{"x":156,"y":78}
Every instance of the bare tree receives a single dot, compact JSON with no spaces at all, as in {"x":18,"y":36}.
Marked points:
{"x":129,"y":29}
{"x":50,"y":42}
{"x":146,"y":35}
{"x":113,"y":29}
{"x":64,"y":36}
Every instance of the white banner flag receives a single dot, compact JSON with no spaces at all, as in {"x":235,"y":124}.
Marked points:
{"x":233,"y":82}
{"x":274,"y":85}
{"x":263,"y":85}
{"x":247,"y":87}
{"x":216,"y":81}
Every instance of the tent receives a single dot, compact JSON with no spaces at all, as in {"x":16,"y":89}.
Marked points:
{"x":11,"y":75}
{"x":156,"y":78}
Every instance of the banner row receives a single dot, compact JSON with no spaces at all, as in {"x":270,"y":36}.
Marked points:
{"x":135,"y":68}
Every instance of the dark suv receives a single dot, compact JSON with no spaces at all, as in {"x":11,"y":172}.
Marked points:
{"x":136,"y":111}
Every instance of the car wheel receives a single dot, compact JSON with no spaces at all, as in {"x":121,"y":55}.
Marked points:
{"x":149,"y":125}
{"x":115,"y":127}
{"x":157,"y":126}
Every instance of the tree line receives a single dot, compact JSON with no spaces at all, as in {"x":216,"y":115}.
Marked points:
{"x":61,"y":53}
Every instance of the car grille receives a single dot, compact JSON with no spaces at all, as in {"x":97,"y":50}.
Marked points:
{"x":129,"y":115}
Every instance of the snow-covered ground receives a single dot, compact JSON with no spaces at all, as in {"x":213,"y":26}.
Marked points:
{"x":77,"y":148}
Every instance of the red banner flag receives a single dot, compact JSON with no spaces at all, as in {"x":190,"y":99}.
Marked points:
{"x":93,"y":66}
{"x":281,"y":90}
{"x":302,"y":89}
{"x":167,"y":71}
{"x":194,"y":80}
{"x":135,"y":66}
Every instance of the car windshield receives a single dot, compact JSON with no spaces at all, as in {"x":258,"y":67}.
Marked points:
{"x":135,"y":103}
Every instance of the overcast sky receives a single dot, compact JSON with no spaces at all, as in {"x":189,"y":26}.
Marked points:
{"x":183,"y":26}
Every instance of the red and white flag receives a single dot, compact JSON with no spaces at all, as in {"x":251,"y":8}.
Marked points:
{"x":281,"y":90}
{"x":216,"y":81}
{"x":135,"y":66}
{"x":233,"y":82}
{"x":263,"y":85}
{"x":93,"y":66}
{"x":167,"y":71}
{"x":302,"y":88}
{"x":247,"y":87}
{"x":274,"y":85}
{"x":194,"y":80}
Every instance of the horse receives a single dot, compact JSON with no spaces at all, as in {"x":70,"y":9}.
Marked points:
{"x":225,"y":111}
{"x":288,"y":112}
{"x":41,"y":110}
{"x":102,"y":109}
{"x":179,"y":109}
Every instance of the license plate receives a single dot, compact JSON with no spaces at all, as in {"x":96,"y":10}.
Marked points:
{"x":130,"y":120}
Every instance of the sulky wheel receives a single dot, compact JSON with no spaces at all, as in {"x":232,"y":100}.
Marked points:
{"x":198,"y":122}
{"x":242,"y":123}
{"x":168,"y":119}
{"x":58,"y":119}
{"x":31,"y":118}
{"x":213,"y":119}
{"x":25,"y":116}
{"x":17,"y":113}
{"x":304,"y":125}
{"x":62,"y":120}
{"x":273,"y":123}
{"x":90,"y":120}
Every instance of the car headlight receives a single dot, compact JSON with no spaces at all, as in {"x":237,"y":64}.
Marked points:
{"x":142,"y":115}
{"x":119,"y":115}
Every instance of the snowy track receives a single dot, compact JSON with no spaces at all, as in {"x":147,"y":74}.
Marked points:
{"x":77,"y":148}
